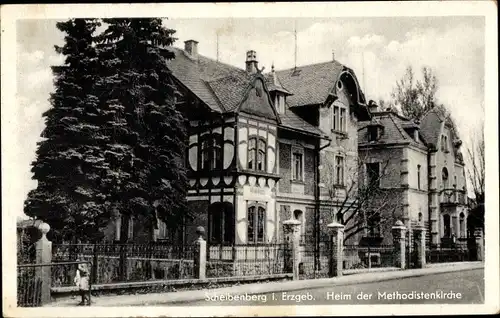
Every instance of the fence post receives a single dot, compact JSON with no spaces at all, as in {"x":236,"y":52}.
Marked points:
{"x":337,"y":249}
{"x":398,"y":239}
{"x":200,"y":254}
{"x":291,"y":232}
{"x":44,"y":256}
{"x":479,"y":245}
{"x":95,"y":266}
{"x":419,"y":236}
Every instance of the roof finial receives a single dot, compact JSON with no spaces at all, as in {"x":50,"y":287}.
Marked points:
{"x":272,"y":67}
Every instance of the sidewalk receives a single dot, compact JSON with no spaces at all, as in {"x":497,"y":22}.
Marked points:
{"x":194,"y":295}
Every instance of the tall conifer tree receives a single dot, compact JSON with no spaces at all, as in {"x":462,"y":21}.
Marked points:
{"x":69,"y":160}
{"x":136,"y":84}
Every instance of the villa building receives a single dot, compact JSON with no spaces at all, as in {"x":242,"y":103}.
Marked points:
{"x":259,"y":144}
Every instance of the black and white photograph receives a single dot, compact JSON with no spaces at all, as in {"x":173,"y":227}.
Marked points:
{"x":250,"y":159}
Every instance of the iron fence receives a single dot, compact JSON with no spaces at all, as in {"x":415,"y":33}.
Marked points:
{"x":356,"y":256}
{"x":313,"y":262}
{"x":113,"y":263}
{"x":29,"y":280}
{"x":245,"y":260}
{"x":438,"y":253}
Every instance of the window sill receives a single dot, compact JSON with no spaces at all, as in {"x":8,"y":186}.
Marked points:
{"x":339,"y":132}
{"x":297,"y":181}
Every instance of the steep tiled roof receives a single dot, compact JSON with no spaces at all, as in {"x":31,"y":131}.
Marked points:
{"x":430,"y":127}
{"x":291,"y":120}
{"x":310,"y":84}
{"x":222,"y":87}
{"x":195,"y":75}
{"x":278,"y":86}
{"x":230,"y":90}
{"x":394,"y":129}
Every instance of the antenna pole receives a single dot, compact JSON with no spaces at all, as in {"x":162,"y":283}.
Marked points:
{"x":295,"y":35}
{"x":217,"y":46}
{"x":363,"y":61}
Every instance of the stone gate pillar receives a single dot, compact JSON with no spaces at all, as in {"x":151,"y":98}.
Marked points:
{"x":291,"y":232}
{"x":336,"y":256}
{"x":398,"y":238}
{"x":200,"y":254}
{"x":419,"y":237}
{"x":44,"y":256}
{"x":478,"y":236}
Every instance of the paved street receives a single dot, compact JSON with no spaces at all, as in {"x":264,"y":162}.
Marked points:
{"x":445,"y":288}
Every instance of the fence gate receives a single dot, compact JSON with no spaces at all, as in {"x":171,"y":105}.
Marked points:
{"x":411,"y":250}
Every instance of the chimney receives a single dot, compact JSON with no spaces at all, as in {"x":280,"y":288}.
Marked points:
{"x":251,"y":62}
{"x":333,"y":55}
{"x":372,"y":106}
{"x":191,"y":47}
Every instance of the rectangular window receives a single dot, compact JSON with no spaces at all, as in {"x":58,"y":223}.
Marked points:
{"x":260,"y":224}
{"x":256,"y":221}
{"x":372,"y":133}
{"x":250,"y":225}
{"x":373,"y":173}
{"x":339,"y":118}
{"x":339,"y":170}
{"x":252,"y":145}
{"x":418,"y":176}
{"x":343,"y":126}
{"x":335,"y":121}
{"x":297,"y":166}
{"x":261,"y":157}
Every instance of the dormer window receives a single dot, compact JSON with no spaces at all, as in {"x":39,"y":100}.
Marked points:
{"x":280,"y":103}
{"x":372,"y":133}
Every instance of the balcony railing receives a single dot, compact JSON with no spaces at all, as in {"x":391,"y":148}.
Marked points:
{"x":452,"y":196}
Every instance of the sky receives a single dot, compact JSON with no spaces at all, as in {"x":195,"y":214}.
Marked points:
{"x":378,"y":49}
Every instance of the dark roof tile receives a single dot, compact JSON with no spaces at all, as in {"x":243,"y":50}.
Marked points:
{"x":310,"y":84}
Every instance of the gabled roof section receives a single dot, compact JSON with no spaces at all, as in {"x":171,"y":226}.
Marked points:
{"x":196,"y":73}
{"x":310,"y":84}
{"x":430,"y":127}
{"x":256,"y":99}
{"x":393,"y":129}
{"x":292,"y":121}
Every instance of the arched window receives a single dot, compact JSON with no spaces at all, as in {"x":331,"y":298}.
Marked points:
{"x":211,"y":152}
{"x":444,"y":177}
{"x":256,"y":154}
{"x":256,"y":217}
{"x":373,"y":224}
{"x":297,"y":215}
